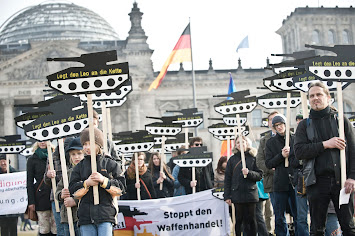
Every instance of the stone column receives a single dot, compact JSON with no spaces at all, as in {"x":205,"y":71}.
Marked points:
{"x":9,"y":122}
{"x":9,"y":125}
{"x":134,"y":112}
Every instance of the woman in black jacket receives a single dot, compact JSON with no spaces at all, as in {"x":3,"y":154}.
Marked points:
{"x":164,"y":177}
{"x":39,"y":193}
{"x":145,"y":180}
{"x":240,"y":191}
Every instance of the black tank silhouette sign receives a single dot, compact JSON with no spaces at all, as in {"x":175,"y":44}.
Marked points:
{"x":165,"y":128}
{"x":96,"y":76}
{"x":11,"y":144}
{"x":279,"y":100}
{"x":189,"y":118}
{"x":130,"y":142}
{"x":221,"y":131}
{"x":196,"y":157}
{"x":231,"y":120}
{"x":302,"y":82}
{"x":32,"y":112}
{"x":175,"y":142}
{"x":239,"y":103}
{"x":336,"y":68}
{"x":67,"y":117}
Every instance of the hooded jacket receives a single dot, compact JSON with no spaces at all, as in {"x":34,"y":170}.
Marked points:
{"x":105,"y":211}
{"x":236,"y":187}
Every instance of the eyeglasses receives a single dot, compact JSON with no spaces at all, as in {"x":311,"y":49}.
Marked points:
{"x":198,"y":144}
{"x":278,"y":125}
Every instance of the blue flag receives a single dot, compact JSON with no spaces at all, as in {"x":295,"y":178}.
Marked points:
{"x":231,"y":87}
{"x":244,"y":43}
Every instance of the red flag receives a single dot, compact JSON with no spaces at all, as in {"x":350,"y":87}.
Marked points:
{"x":180,"y":53}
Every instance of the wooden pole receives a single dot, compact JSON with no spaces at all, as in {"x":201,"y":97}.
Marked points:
{"x":104,"y":125}
{"x":109,"y":124}
{"x":92,"y":146}
{"x":341,"y":132}
{"x":7,"y":164}
{"x":194,"y":178}
{"x":65,"y":183}
{"x":186,"y":138}
{"x":51,"y":167}
{"x":241,"y":143}
{"x":162,"y":159}
{"x":137,"y":175}
{"x":288,"y":121}
{"x":233,"y":219}
{"x":228,"y":146}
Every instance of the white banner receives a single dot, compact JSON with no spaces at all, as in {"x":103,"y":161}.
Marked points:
{"x":195,"y":214}
{"x":13,"y":193}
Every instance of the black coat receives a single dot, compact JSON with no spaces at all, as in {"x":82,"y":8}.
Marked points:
{"x":236,"y":187}
{"x":105,"y":211}
{"x":168,"y":184}
{"x":204,"y":177}
{"x":36,"y":168}
{"x":132,"y":191}
{"x":273,"y":159}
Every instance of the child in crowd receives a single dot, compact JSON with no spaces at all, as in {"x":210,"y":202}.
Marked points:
{"x":74,"y":149}
{"x":96,"y":219}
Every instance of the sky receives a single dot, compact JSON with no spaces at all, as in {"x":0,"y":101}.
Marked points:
{"x":217,"y":27}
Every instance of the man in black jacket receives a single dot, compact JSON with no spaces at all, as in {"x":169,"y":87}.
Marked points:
{"x":275,"y":154}
{"x":204,"y":175}
{"x":317,"y":144}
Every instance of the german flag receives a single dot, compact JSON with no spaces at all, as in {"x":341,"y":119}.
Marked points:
{"x":180,"y":53}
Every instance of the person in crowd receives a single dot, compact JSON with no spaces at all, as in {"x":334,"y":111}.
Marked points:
{"x":96,"y":219}
{"x":242,"y":191}
{"x":74,"y":149}
{"x":57,"y":174}
{"x":38,"y":192}
{"x":268,"y":174}
{"x":301,"y":195}
{"x":179,"y":190}
{"x":260,"y":220}
{"x":332,"y":227}
{"x":219,"y":172}
{"x":8,"y":223}
{"x":158,"y":176}
{"x":145,"y":183}
{"x":318,"y":144}
{"x":25,"y":222}
{"x":283,"y":191}
{"x":204,"y":175}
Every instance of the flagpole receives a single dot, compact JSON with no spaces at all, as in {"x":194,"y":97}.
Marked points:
{"x":193,"y":75}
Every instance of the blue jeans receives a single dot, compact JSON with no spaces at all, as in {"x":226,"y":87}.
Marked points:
{"x":66,"y":229}
{"x":102,"y":229}
{"x":281,"y":199}
{"x":262,"y":231}
{"x":332,"y":228}
{"x":60,"y":228}
{"x":302,"y":214}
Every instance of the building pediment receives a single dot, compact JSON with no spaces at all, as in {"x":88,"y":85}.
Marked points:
{"x":33,"y":65}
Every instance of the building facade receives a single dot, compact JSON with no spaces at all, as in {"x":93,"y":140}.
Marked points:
{"x":37,"y":33}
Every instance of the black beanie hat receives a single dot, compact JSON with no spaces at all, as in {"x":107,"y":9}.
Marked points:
{"x":99,"y":137}
{"x":278,"y":118}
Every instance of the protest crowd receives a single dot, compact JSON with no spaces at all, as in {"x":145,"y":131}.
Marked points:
{"x":301,"y":198}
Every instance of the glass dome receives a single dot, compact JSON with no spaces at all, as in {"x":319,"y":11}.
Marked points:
{"x":56,"y":21}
